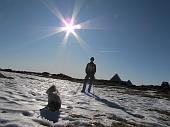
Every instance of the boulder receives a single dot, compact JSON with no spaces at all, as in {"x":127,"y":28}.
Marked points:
{"x":129,"y":83}
{"x":165,"y":85}
{"x":116,"y":78}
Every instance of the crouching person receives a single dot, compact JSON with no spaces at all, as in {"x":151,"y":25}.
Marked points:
{"x":54,"y":101}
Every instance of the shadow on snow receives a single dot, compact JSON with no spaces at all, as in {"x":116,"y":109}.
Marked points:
{"x":111,"y":104}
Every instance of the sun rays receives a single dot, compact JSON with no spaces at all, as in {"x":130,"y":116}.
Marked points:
{"x":68,"y":24}
{"x":69,"y":27}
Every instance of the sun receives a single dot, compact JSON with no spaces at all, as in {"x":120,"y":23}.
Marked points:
{"x":69,"y":28}
{"x":68,"y":25}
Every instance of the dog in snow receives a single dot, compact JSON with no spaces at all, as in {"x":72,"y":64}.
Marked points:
{"x":54,"y":101}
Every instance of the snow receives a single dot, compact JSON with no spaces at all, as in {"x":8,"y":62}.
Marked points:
{"x":22,"y":97}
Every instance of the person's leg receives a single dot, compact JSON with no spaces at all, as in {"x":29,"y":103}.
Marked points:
{"x":84,"y":84}
{"x":91,"y":82}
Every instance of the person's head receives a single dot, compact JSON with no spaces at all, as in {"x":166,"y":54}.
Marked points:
{"x":92,"y":59}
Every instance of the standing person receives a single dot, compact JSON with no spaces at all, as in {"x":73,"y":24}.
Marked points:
{"x":90,"y":72}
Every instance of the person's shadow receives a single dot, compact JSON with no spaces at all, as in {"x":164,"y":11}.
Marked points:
{"x":110,"y":103}
{"x":49,"y":115}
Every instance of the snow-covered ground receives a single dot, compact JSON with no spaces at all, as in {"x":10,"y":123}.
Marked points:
{"x":22,"y":98}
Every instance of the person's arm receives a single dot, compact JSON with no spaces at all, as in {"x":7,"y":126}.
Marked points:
{"x":95,"y":68}
{"x":86,"y":68}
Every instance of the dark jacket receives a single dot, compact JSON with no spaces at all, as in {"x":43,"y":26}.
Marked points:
{"x":91,"y":68}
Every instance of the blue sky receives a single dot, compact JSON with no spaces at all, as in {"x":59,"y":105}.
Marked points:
{"x":132,"y":38}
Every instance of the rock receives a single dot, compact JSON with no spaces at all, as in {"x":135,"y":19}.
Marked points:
{"x":4,"y":112}
{"x":61,"y":76}
{"x":129,"y":83}
{"x":27,"y":113}
{"x":116,"y":78}
{"x":45,"y":74}
{"x":165,"y":85}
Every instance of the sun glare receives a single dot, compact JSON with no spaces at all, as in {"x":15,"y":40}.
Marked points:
{"x":68,"y":25}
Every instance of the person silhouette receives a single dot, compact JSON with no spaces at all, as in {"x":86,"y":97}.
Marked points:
{"x":90,"y":72}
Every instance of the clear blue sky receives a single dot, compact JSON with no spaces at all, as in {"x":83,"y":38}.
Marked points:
{"x":134,"y":40}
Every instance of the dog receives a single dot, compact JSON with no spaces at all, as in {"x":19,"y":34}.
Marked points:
{"x":54,"y":101}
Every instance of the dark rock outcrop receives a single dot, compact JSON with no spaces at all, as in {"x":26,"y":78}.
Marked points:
{"x":61,"y":76}
{"x":45,"y":74}
{"x":116,"y":78}
{"x":129,"y":83}
{"x":165,"y":85}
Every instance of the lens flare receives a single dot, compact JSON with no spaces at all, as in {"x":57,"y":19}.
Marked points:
{"x":68,"y":25}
